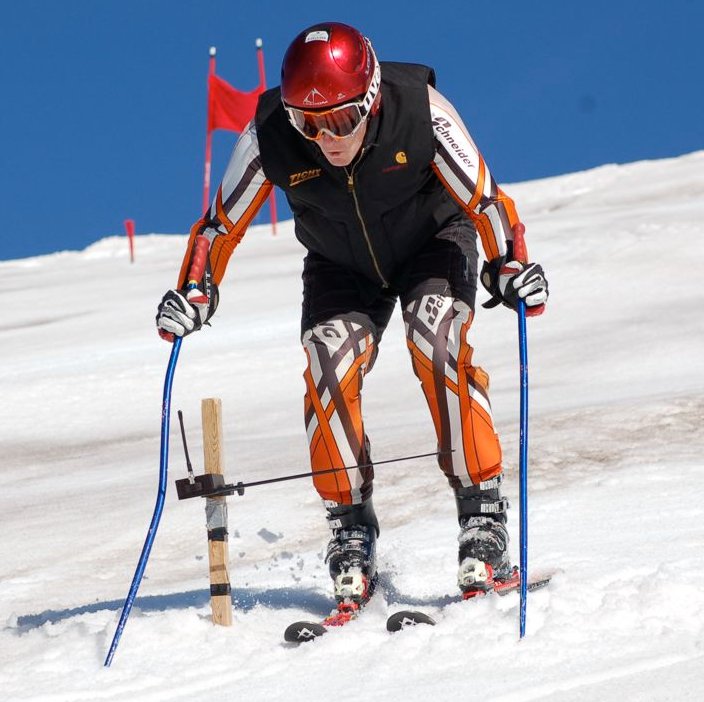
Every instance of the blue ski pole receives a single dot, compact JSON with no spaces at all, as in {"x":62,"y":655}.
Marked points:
{"x":158,"y":508}
{"x":523,"y":462}
{"x":520,"y":254}
{"x":196,"y":273}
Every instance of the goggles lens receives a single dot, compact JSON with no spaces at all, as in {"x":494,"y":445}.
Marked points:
{"x":339,"y":122}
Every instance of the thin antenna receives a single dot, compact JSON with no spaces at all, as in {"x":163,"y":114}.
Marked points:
{"x":191,"y":477}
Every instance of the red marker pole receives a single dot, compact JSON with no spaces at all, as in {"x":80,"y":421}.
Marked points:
{"x":129,"y":229}
{"x":262,"y":83}
{"x":208,"y":138}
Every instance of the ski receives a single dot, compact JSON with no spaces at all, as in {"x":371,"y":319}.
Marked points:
{"x":352,"y":591}
{"x":405,"y":618}
{"x":302,"y":631}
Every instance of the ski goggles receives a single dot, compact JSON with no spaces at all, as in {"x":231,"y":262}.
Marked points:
{"x":339,"y":122}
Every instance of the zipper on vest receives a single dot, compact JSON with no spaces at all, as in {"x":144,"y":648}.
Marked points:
{"x":351,"y":190}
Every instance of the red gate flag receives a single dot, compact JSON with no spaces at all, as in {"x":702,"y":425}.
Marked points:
{"x":229,"y":108}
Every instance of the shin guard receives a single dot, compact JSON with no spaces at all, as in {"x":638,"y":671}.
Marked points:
{"x":339,"y":353}
{"x":456,"y":391}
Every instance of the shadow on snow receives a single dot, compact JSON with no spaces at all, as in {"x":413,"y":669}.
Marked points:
{"x":311,"y":600}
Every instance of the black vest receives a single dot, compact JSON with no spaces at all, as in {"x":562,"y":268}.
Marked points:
{"x":393,"y":204}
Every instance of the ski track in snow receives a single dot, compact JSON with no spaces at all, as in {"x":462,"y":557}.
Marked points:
{"x":616,"y":474}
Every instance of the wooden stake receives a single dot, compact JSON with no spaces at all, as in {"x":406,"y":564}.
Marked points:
{"x":216,"y":515}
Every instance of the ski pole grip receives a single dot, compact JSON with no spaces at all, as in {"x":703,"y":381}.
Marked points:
{"x":200,"y":257}
{"x":520,"y":252}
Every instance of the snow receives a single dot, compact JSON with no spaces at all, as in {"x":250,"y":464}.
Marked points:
{"x":616,"y":474}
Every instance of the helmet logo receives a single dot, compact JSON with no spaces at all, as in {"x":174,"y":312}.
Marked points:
{"x":401,"y":157}
{"x":315,"y":97}
{"x":320,"y":35}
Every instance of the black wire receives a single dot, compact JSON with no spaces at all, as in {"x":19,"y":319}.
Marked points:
{"x":239,"y":488}
{"x":185,"y":445}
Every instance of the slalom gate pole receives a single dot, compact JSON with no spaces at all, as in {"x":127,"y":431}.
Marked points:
{"x":520,"y":254}
{"x":200,"y":257}
{"x":159,"y":507}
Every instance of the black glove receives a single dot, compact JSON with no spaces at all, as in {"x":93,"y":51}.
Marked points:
{"x":511,"y":281}
{"x":181,"y":312}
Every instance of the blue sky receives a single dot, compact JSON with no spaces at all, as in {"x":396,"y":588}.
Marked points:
{"x":103,"y":102}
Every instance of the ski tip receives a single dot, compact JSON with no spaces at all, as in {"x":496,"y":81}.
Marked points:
{"x":407,"y":618}
{"x":300,"y":632}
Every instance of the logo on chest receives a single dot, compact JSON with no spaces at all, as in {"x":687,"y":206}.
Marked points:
{"x":401,"y":162}
{"x":302,"y":176}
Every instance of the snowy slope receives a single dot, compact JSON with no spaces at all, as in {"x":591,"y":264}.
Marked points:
{"x":617,"y":486}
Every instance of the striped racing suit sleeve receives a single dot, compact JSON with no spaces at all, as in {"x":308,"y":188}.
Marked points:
{"x":462,"y":170}
{"x":243,"y":191}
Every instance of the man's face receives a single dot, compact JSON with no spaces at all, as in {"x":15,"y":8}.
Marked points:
{"x":341,"y":152}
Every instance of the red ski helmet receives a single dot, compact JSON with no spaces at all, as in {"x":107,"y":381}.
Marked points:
{"x":329,"y":64}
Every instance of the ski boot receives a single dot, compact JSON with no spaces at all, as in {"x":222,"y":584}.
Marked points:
{"x":351,"y":557}
{"x":484,"y":564}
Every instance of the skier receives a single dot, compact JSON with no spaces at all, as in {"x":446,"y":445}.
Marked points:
{"x":388,"y":193}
